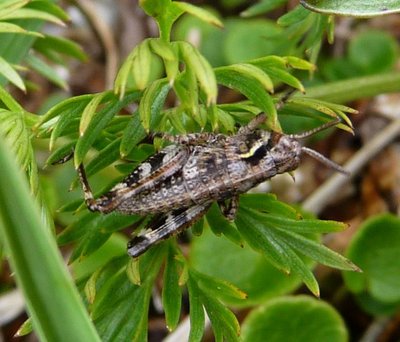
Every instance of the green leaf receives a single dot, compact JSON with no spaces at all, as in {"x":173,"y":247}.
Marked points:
{"x":9,"y":101}
{"x":220,"y":225}
{"x":105,"y":157}
{"x":10,"y":74}
{"x":201,"y":69}
{"x":294,"y":16}
{"x":302,"y":106}
{"x":13,"y":128}
{"x":141,"y":65}
{"x":313,"y":37}
{"x":121,"y":80}
{"x":224,"y":323}
{"x":60,"y":45}
{"x":25,"y":329}
{"x":29,"y":13}
{"x":199,"y":13}
{"x":317,"y":251}
{"x":170,"y":58}
{"x":255,"y":234}
{"x":65,"y":120}
{"x":291,"y":319}
{"x":196,"y":311}
{"x":132,"y":135}
{"x":98,"y":123}
{"x":268,"y":203}
{"x":129,"y":311}
{"x":133,"y":271}
{"x":299,"y":225}
{"x":163,"y":49}
{"x":46,"y":70}
{"x":354,"y":8}
{"x":212,"y":113}
{"x":253,"y":90}
{"x":176,"y":119}
{"x":299,"y":63}
{"x":303,"y":271}
{"x":269,"y":61}
{"x":150,"y":108}
{"x":123,"y":316}
{"x":217,"y":287}
{"x":241,"y":266}
{"x":88,"y":245}
{"x":49,"y":7}
{"x":252,"y":71}
{"x":9,"y":6}
{"x":89,"y":112}
{"x":60,"y":154}
{"x":285,"y":77}
{"x":197,"y":228}
{"x":171,"y":292}
{"x":66,"y":105}
{"x":187,"y":91}
{"x":92,"y":231}
{"x":322,"y":106}
{"x":12,"y":28}
{"x":90,"y":287}
{"x":115,"y":247}
{"x":262,"y":7}
{"x":30,"y":246}
{"x":375,"y":249}
{"x":77,"y":229}
{"x":226,"y":120}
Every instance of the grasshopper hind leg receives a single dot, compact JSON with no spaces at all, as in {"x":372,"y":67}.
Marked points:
{"x":87,"y":191}
{"x":165,"y":225}
{"x":229,"y":210}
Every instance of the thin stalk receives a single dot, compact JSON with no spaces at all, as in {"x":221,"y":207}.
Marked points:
{"x":356,"y":88}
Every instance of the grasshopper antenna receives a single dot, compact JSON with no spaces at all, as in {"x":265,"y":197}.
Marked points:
{"x":329,"y":163}
{"x":314,"y":154}
{"x":285,"y":97}
{"x":315,"y":130}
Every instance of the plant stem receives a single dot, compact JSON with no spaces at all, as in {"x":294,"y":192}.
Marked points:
{"x":356,"y":88}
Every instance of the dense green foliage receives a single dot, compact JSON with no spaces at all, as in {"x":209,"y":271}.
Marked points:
{"x":267,"y":235}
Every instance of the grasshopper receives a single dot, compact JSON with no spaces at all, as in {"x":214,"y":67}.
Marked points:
{"x":179,"y":183}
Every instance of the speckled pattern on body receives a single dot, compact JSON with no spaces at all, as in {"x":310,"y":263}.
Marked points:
{"x":180,"y":182}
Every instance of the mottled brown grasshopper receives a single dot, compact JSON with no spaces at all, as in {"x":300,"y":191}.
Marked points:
{"x":180,"y":182}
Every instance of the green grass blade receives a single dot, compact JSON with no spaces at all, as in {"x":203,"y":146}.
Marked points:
{"x":53,"y":302}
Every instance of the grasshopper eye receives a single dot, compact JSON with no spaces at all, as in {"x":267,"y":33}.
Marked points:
{"x":243,"y":148}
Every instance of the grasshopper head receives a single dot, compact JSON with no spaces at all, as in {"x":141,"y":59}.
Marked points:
{"x":285,"y":151}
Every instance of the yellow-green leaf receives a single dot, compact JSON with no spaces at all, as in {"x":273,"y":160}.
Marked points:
{"x":202,"y":70}
{"x":122,"y":77}
{"x":133,"y":271}
{"x":29,"y":13}
{"x":141,"y":65}
{"x":12,"y":28}
{"x":89,"y":112}
{"x":199,"y":13}
{"x":7,"y":70}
